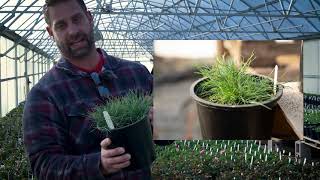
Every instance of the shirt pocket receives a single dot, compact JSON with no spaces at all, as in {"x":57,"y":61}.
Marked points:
{"x":82,"y":132}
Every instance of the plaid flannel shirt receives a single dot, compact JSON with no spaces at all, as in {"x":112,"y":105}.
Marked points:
{"x":60,"y":140}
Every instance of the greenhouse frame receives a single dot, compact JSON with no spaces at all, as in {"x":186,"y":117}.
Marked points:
{"x":127,"y":29}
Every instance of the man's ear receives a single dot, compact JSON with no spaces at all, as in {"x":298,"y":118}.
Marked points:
{"x":49,"y":30}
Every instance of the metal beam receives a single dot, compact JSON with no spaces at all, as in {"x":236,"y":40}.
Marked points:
{"x":11,"y":35}
{"x":196,"y":31}
{"x":293,"y":14}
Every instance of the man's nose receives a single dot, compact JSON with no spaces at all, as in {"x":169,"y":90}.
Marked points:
{"x":73,"y":29}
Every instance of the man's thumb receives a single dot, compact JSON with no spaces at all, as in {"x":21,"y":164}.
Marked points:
{"x":105,"y":143}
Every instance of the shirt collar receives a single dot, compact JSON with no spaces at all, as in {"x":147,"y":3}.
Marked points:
{"x":110,"y":64}
{"x":97,"y":68}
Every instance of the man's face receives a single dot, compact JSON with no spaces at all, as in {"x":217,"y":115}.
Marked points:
{"x":72,"y":29}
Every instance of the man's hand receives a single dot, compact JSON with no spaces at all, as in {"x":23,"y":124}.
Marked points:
{"x":150,"y":116}
{"x":112,"y":160}
{"x":153,"y":129}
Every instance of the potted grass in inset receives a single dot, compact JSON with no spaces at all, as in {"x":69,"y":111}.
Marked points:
{"x":233,"y":104}
{"x":125,"y":121}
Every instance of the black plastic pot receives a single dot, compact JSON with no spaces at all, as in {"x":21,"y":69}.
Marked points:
{"x":309,"y":131}
{"x":250,"y":121}
{"x":311,"y":99}
{"x":163,"y":142}
{"x":137,"y":141}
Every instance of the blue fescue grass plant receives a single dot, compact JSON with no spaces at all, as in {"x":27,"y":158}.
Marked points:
{"x":230,"y":84}
{"x":123,"y":111}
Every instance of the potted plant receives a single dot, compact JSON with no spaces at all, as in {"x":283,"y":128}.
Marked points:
{"x":233,"y":104}
{"x":125,"y":122}
{"x":311,"y":116}
{"x":312,"y":123}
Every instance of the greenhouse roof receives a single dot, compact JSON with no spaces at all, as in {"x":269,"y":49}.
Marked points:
{"x":128,"y":28}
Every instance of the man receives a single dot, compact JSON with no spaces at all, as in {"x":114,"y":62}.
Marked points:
{"x":60,"y":139}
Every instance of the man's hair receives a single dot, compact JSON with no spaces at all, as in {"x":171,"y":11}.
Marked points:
{"x":50,"y":3}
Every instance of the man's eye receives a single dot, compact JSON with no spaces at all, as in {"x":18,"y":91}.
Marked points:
{"x":77,"y":20}
{"x":60,"y":26}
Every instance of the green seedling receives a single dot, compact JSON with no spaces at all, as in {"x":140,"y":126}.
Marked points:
{"x":194,"y":162}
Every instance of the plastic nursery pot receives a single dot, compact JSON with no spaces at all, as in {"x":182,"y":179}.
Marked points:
{"x":250,"y":121}
{"x":137,"y":140}
{"x":309,"y":131}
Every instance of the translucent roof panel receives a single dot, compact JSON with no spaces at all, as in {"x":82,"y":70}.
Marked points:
{"x":127,"y":28}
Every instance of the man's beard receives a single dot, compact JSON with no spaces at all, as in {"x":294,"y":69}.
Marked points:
{"x":77,"y":53}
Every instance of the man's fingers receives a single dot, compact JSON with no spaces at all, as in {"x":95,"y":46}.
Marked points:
{"x":113,"y":160}
{"x":150,"y":115}
{"x":112,"y":152}
{"x":105,"y":143}
{"x":121,"y":165}
{"x":118,"y":159}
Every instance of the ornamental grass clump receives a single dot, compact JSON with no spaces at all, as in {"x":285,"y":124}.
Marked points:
{"x":122,"y":111}
{"x":230,"y":84}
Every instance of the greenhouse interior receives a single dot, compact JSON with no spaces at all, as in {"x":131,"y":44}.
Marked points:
{"x":127,"y":30}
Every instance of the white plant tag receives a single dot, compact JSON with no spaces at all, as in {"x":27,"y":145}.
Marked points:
{"x":275,"y":79}
{"x":108,"y":120}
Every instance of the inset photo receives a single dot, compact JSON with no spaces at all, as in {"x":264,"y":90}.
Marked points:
{"x":311,"y":89}
{"x":228,"y":89}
